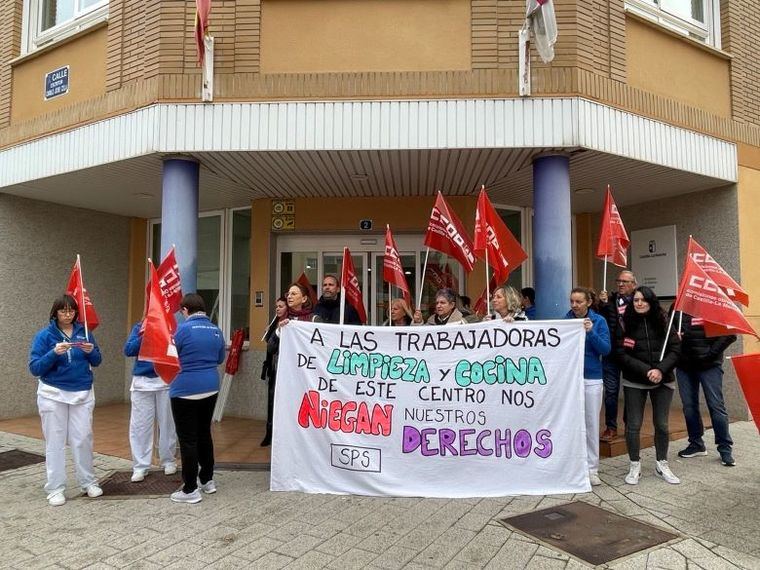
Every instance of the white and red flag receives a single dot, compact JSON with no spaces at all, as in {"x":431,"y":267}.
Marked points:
{"x":700,"y":297}
{"x":157,"y":343}
{"x":613,"y":239}
{"x":445,"y":233}
{"x":202,"y":11}
{"x":747,"y":368}
{"x":492,"y":235}
{"x":393,"y":270}
{"x":75,"y":287}
{"x":349,"y":283}
{"x":717,"y":273}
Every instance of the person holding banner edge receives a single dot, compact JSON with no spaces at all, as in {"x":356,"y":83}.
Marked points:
{"x":201,"y":348}
{"x":640,"y":343}
{"x":597,"y":346}
{"x":62,"y":357}
{"x":149,"y":396}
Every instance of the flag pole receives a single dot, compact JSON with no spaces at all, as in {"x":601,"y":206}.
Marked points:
{"x":390,"y":318}
{"x":266,"y":330}
{"x":488,"y":288}
{"x":604,"y":284}
{"x":667,"y":334}
{"x":81,"y":294}
{"x":422,"y":279}
{"x":342,"y":287}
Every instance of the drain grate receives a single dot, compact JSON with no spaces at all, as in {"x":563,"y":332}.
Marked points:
{"x":156,"y":484}
{"x":16,"y":458}
{"x":594,"y":535}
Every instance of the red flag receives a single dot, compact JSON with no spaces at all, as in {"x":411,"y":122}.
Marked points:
{"x":157,"y":343}
{"x":233,"y":356}
{"x":747,"y":368}
{"x":492,"y":235}
{"x":202,"y":11}
{"x":446,"y":233}
{"x":481,"y":306}
{"x":700,"y":296}
{"x":434,"y":274}
{"x":170,"y":283}
{"x":303,"y":280}
{"x":393,"y":270}
{"x":75,"y":287}
{"x":717,"y":273}
{"x":350,"y":285}
{"x":613,"y":239}
{"x":451,"y":280}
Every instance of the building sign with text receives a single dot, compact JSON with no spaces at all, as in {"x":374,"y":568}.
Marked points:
{"x":57,"y":82}
{"x":653,"y":253}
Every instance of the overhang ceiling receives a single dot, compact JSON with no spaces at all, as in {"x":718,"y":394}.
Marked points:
{"x":230,"y":179}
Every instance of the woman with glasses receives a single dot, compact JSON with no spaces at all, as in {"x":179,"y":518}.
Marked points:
{"x":446,"y":312}
{"x":201,"y":348}
{"x":640,"y":343}
{"x":62,"y":357}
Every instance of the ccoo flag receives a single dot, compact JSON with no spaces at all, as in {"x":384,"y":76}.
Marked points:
{"x":747,"y":368}
{"x":393,"y":270}
{"x":492,"y":235}
{"x":157,"y":343}
{"x":700,"y":296}
{"x":75,"y":287}
{"x":350,"y":285}
{"x":613,"y":239}
{"x":445,"y":233}
{"x":717,"y":273}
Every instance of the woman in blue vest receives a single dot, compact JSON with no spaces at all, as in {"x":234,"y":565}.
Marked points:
{"x":201,"y":348}
{"x":62,"y":357}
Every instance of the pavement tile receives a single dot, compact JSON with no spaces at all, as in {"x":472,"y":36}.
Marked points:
{"x":271,"y":561}
{"x":299,"y":546}
{"x":256,"y":549}
{"x":354,"y":558}
{"x":339,"y":544}
{"x":514,"y":554}
{"x":739,"y":559}
{"x":445,"y":547}
{"x":544,"y":563}
{"x":394,"y":558}
{"x":667,"y":559}
{"x":310,"y":561}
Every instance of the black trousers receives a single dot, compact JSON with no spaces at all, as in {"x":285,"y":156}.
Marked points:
{"x":270,"y":402}
{"x":193,"y":421}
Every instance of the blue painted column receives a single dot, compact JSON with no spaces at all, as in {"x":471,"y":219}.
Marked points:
{"x":552,"y":236}
{"x":179,"y":217}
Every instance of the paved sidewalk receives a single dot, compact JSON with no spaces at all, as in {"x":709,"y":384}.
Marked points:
{"x":715,"y":511}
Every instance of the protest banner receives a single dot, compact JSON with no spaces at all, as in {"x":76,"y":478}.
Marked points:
{"x":489,"y":409}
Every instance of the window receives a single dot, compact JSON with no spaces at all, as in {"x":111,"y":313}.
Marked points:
{"x":47,"y":21}
{"x":698,"y":19}
{"x":223,"y":266}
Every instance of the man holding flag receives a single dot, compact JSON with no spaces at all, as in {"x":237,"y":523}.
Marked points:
{"x":328,"y":308}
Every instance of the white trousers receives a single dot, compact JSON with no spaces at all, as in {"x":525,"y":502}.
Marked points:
{"x":593,"y":404}
{"x":148,"y":407}
{"x":61,"y":423}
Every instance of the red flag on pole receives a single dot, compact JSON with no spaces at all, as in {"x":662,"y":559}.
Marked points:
{"x":75,"y":287}
{"x":304,"y":281}
{"x":445,"y":233}
{"x":613,"y":239}
{"x":393,"y":270}
{"x":717,"y":273}
{"x":170,"y":283}
{"x":481,"y":305}
{"x":157,"y":343}
{"x":451,"y":280}
{"x":505,"y":253}
{"x":350,"y":285}
{"x":700,"y":296}
{"x":202,"y":11}
{"x":747,"y":368}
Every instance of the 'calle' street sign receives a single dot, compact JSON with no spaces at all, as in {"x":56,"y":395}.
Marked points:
{"x":57,"y":82}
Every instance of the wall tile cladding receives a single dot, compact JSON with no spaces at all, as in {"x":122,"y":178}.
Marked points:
{"x":592,"y":35}
{"x":740,"y":30}
{"x":10,"y":47}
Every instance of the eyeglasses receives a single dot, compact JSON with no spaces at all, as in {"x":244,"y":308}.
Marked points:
{"x":623,"y":281}
{"x":67,"y":311}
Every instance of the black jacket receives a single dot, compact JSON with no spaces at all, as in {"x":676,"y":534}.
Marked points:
{"x":638,"y":351}
{"x":613,"y":310}
{"x":269,"y":368}
{"x":328,"y":311}
{"x":699,"y":352}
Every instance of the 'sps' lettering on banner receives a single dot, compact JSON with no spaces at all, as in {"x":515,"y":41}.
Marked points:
{"x":488,"y":409}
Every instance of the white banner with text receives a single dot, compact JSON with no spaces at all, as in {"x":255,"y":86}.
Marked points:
{"x":489,"y":409}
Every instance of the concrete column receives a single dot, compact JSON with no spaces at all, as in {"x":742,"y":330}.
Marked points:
{"x":179,"y":217}
{"x":552,"y":236}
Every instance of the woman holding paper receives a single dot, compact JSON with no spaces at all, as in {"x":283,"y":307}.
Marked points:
{"x":639,"y":345}
{"x":446,"y":312}
{"x":597,"y":345}
{"x":269,"y":369}
{"x":62,"y":357}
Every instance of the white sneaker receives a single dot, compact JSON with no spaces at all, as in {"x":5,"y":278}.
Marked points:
{"x":56,"y":499}
{"x":94,"y":491}
{"x":170,"y":469}
{"x":634,"y":473}
{"x":181,"y":497}
{"x":662,"y":470}
{"x":594,"y":478}
{"x":138,"y":475}
{"x":209,"y":487}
